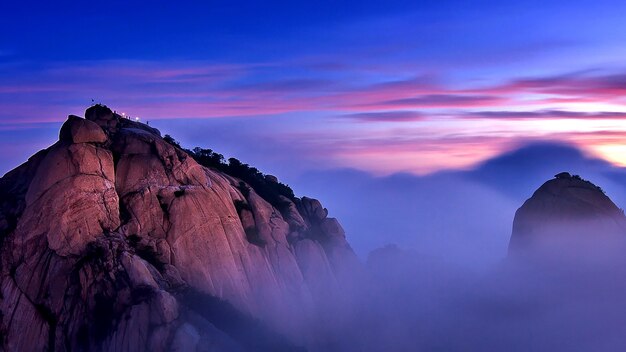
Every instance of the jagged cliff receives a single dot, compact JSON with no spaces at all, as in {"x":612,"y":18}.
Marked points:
{"x":110,"y":235}
{"x":565,"y":209}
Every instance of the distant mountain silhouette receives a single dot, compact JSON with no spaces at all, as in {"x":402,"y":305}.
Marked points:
{"x":517,"y":172}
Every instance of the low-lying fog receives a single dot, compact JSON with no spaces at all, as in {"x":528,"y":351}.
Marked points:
{"x":449,"y":286}
{"x":568,"y":298}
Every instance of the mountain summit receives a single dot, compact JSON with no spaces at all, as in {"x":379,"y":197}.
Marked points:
{"x":564,"y":209}
{"x":114,"y":238}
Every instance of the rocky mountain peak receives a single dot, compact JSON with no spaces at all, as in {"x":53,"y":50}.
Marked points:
{"x":566,"y":206}
{"x":114,"y":238}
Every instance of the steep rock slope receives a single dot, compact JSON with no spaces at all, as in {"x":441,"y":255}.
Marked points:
{"x":566,"y":207}
{"x":105,"y":234}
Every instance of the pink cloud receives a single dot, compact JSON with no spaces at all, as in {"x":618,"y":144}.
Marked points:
{"x":543,"y":114}
{"x":200,"y":90}
{"x":386,"y":116}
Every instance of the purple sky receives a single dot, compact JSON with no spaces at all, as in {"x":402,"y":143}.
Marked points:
{"x":402,"y":87}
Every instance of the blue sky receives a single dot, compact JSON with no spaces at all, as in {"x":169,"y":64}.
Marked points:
{"x":382,"y":87}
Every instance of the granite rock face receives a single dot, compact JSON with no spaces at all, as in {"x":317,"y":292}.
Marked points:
{"x":103,"y":233}
{"x":79,"y":130}
{"x":566,"y":208}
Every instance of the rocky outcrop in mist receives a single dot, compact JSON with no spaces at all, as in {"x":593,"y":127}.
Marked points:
{"x":114,"y":239}
{"x":563,"y":210}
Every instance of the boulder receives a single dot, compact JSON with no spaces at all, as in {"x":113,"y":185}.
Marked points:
{"x":79,"y":130}
{"x":103,"y":116}
{"x":312,"y":209}
{"x":99,"y":113}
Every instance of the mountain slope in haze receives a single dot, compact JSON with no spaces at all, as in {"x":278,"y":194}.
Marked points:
{"x":445,"y":212}
{"x":516,"y":173}
{"x":115,"y":239}
{"x":566,"y":208}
